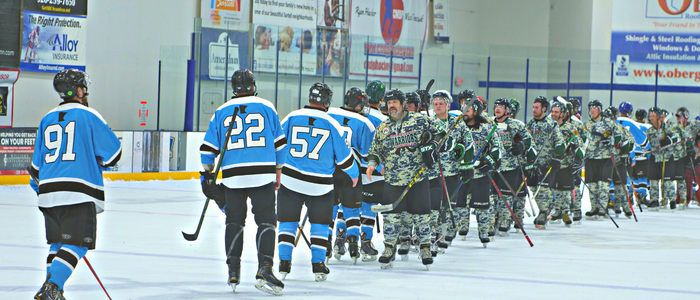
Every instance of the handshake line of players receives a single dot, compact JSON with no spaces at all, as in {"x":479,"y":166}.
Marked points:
{"x":433,"y":167}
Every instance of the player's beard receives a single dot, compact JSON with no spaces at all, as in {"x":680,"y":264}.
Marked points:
{"x":394,"y":113}
{"x":85,"y":101}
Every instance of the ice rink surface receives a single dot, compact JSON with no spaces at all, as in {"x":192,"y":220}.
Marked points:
{"x":141,"y":254}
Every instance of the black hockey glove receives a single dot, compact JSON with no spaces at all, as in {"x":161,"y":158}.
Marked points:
{"x":212,"y":190}
{"x":430,"y":156}
{"x":665,"y":141}
{"x":571,"y":148}
{"x":555,"y":164}
{"x":449,"y":144}
{"x":606,"y":141}
{"x":518,"y":148}
{"x":425,"y":137}
{"x":466,"y":170}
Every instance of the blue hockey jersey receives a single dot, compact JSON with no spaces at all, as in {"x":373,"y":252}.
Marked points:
{"x":376,"y":117}
{"x":316,"y":146}
{"x":640,"y":135}
{"x":73,"y":145}
{"x":256,"y":145}
{"x":358,"y":132}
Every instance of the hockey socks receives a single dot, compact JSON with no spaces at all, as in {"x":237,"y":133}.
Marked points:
{"x":286,"y":237}
{"x":367,"y":220}
{"x":319,"y":239}
{"x":352,"y":220}
{"x":64,"y":263}
{"x":339,"y":218}
{"x":53,"y":249}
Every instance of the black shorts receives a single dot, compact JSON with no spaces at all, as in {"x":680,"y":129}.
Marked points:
{"x":372,"y":193}
{"x":577,"y":178}
{"x":621,"y":167}
{"x":564,"y":180}
{"x":346,"y":194}
{"x":437,"y":193}
{"x":262,"y":199}
{"x":514,"y":179}
{"x":640,"y":169}
{"x":598,"y":170}
{"x":289,"y":203}
{"x":680,"y":166}
{"x":416,"y":201}
{"x":656,"y":170}
{"x":71,"y":224}
{"x":541,"y":178}
{"x":480,"y":189}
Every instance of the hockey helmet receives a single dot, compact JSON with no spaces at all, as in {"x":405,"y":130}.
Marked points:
{"x":505,"y":103}
{"x":395,"y":94}
{"x":640,"y":114}
{"x":355,"y":97}
{"x":626,"y":108}
{"x":413,"y":97}
{"x":67,"y":82}
{"x":542,"y":100}
{"x":444,"y":95}
{"x":465,"y":94}
{"x":242,"y":81}
{"x":561,"y":106}
{"x":683,"y":112}
{"x":375,"y":91}
{"x":320,"y":92}
{"x":515,"y":106}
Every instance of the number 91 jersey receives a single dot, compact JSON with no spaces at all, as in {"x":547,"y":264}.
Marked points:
{"x":256,"y":145}
{"x":73,"y":145}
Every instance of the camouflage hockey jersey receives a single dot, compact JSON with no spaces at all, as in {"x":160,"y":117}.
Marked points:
{"x":596,"y":131}
{"x":693,"y":130}
{"x":627,"y":146}
{"x":462,"y":136}
{"x":571,"y":136}
{"x":546,"y":139}
{"x":654,"y":137}
{"x":679,"y":150}
{"x":508,"y":130}
{"x":492,"y":145}
{"x":396,"y":145}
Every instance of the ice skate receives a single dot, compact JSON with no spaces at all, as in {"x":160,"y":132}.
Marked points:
{"x":592,"y":214}
{"x":320,"y":271}
{"x":329,"y":248}
{"x":339,"y":247}
{"x":353,"y":249}
{"x":441,"y":244}
{"x":618,"y":212}
{"x":516,"y":226}
{"x":602,"y":214}
{"x":663,"y":203}
{"x":433,"y":248}
{"x":484,"y":238}
{"x":404,"y":247}
{"x":267,"y":282}
{"x":492,"y":234}
{"x":503,"y":228}
{"x":682,"y":204}
{"x":577,"y":217}
{"x":654,"y":205}
{"x":414,"y":244}
{"x":234,"y":275}
{"x":450,"y":236}
{"x":463,"y":231}
{"x":388,"y":256}
{"x":672,"y":205}
{"x":285,"y":268}
{"x":566,"y":218}
{"x":541,"y":220}
{"x":425,"y":255}
{"x":369,"y":253}
{"x":49,"y":291}
{"x":555,"y":216}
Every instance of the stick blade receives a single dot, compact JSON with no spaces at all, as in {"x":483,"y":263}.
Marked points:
{"x":190,"y":237}
{"x":430,"y":85}
{"x":381,"y":208}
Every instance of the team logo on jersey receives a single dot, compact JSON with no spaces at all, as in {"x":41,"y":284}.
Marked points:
{"x":386,"y":130}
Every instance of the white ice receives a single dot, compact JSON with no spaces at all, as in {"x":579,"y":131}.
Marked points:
{"x":141,"y":254}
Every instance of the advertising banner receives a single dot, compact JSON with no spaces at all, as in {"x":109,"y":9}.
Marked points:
{"x":297,"y":47}
{"x":10,"y":13}
{"x":656,"y":31}
{"x":387,"y":35}
{"x":333,"y":13}
{"x":225,"y":10}
{"x":7,"y":83}
{"x":16,"y":149}
{"x":52,"y":42}
{"x":331,"y":52}
{"x":221,"y":48}
{"x":441,"y":21}
{"x":293,"y":13}
{"x":67,"y":7}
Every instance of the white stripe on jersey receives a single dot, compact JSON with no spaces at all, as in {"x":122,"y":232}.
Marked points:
{"x":68,"y":106}
{"x":247,"y":100}
{"x":305,"y":188}
{"x":54,"y":199}
{"x":248,"y":181}
{"x":377,"y":113}
{"x":352,"y":115}
{"x":111,"y":159}
{"x":70,"y":179}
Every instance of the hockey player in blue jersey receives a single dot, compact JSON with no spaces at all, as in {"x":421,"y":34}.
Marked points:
{"x":251,"y":168}
{"x":358,"y":132}
{"x":74,"y":145}
{"x":638,"y":131}
{"x":639,"y":170}
{"x":316,"y":148}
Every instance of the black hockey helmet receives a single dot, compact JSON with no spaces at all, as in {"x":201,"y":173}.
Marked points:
{"x":67,"y":82}
{"x":395,"y":94}
{"x":610,"y":112}
{"x":355,"y":97}
{"x":595,"y":103}
{"x":664,"y":112}
{"x":413,"y":97}
{"x":465,"y":94}
{"x":654,"y":110}
{"x":503,"y":102}
{"x":320,"y":92}
{"x":640,"y":114}
{"x":242,"y":81}
{"x":542,"y":100}
{"x":478,"y":106}
{"x":375,"y":91}
{"x":515,"y":105}
{"x":561,"y":106}
{"x":575,"y":103}
{"x":683,"y":112}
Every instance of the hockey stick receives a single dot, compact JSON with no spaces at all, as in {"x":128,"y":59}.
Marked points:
{"x":634,"y":191}
{"x":624,"y":188}
{"x":500,"y":195}
{"x":98,"y":278}
{"x":301,"y":229}
{"x":389,"y":207}
{"x":692,"y":167}
{"x":604,"y":209}
{"x":192,"y":237}
{"x":527,"y":189}
{"x":445,"y":192}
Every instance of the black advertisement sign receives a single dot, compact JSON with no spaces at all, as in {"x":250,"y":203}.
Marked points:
{"x":16,"y":150}
{"x":10,"y":26}
{"x":66,"y":7}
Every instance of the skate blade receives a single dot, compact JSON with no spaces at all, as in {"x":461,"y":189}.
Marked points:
{"x":557,"y":221}
{"x":541,"y":227}
{"x":233,"y":286}
{"x":368,"y":258}
{"x":590,"y":218}
{"x":464,"y":237}
{"x":386,"y":266}
{"x":337,"y":256}
{"x":503,"y":233}
{"x":284,"y":275}
{"x":427,"y":267}
{"x":320,"y":277}
{"x":567,"y":225}
{"x":354,"y":260}
{"x":484,"y":244}
{"x":265,"y":287}
{"x":441,"y":250}
{"x":404,"y":257}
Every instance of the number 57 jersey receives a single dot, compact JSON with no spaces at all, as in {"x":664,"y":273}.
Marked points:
{"x":73,"y":145}
{"x":315,"y":148}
